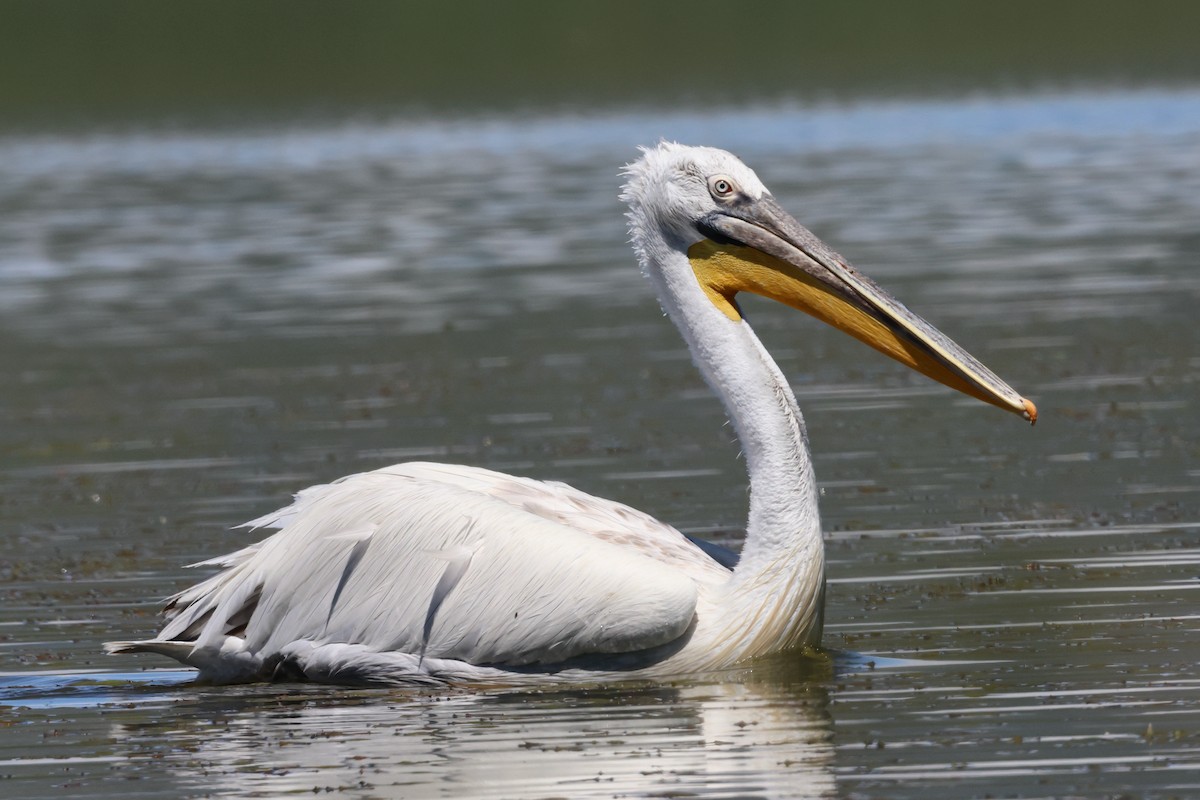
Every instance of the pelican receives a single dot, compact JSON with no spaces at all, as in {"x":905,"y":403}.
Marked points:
{"x":424,"y":573}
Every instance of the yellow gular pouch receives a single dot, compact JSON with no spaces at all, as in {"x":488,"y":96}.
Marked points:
{"x":723,"y":270}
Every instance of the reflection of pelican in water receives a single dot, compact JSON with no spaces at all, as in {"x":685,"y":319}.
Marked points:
{"x":422,"y":572}
{"x":748,"y":735}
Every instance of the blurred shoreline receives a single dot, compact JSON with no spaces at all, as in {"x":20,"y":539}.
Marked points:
{"x":70,"y":65}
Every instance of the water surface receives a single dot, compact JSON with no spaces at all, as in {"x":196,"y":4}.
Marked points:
{"x":195,"y":325}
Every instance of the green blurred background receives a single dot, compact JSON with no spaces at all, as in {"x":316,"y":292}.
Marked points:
{"x":79,"y":63}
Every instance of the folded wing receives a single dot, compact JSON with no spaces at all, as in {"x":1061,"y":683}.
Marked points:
{"x":446,"y":563}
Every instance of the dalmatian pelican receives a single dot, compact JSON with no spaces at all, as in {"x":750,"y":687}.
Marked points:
{"x":424,"y":573}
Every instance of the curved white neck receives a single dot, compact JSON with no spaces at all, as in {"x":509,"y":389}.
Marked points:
{"x":775,"y":597}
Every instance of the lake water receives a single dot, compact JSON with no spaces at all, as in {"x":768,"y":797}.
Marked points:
{"x":195,"y":325}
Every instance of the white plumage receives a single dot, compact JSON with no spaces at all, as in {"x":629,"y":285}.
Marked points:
{"x":429,"y":572}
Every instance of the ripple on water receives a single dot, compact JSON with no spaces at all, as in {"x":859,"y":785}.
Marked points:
{"x":196,"y":326}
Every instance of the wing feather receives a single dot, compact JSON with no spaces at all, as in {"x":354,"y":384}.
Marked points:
{"x":607,"y":520}
{"x":539,"y":588}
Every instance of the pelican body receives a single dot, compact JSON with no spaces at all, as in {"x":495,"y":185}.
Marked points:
{"x":432,"y":573}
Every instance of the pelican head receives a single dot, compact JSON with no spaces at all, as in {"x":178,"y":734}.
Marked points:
{"x":699,"y":216}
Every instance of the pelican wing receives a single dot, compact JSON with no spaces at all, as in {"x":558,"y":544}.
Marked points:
{"x":606,"y":520}
{"x":451,"y":563}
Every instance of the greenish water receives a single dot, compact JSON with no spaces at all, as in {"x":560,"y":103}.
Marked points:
{"x":194,"y":324}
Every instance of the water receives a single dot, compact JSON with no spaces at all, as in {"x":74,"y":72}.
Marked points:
{"x":195,"y":325}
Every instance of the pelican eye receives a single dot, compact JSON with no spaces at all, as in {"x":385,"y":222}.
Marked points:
{"x":721,"y":187}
